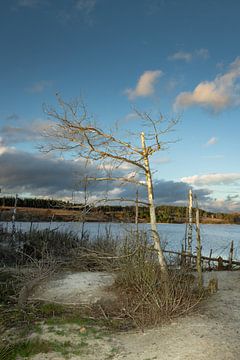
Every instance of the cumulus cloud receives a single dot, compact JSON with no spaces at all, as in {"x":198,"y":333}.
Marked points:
{"x":38,"y":175}
{"x":23,"y":131}
{"x":23,"y":172}
{"x":217,"y":95}
{"x":212,"y":141}
{"x":145,"y":84}
{"x":212,"y":179}
{"x":189,"y":56}
{"x":228,"y":204}
{"x":167,"y":192}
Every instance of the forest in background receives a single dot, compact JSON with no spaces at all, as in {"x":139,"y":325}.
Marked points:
{"x":37,"y":209}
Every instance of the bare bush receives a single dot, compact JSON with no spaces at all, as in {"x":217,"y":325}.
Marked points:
{"x":143,"y":297}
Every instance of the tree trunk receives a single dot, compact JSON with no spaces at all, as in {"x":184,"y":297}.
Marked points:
{"x":199,"y":251}
{"x":190,"y":204}
{"x":152,"y":212}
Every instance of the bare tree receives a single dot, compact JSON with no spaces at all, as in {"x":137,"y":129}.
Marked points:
{"x":76,"y":132}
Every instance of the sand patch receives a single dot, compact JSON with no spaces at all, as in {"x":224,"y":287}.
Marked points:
{"x":76,"y":288}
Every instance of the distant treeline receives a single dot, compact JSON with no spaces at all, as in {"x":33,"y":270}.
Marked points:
{"x":35,"y":203}
{"x":168,"y":214}
{"x":164,"y":213}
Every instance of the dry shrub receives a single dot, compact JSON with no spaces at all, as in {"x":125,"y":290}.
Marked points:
{"x":98,"y":254}
{"x":65,"y":247}
{"x":143,"y":295}
{"x":35,"y":244}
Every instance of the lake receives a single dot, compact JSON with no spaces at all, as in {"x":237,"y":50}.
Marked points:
{"x":215,"y":237}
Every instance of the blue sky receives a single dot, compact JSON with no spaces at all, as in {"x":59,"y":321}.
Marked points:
{"x":180,"y":58}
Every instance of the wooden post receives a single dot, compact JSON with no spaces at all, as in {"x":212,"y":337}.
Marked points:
{"x":199,"y":251}
{"x":220,"y":263}
{"x":230,"y":256}
{"x":209,"y":261}
{"x":152,"y":212}
{"x":13,"y":219}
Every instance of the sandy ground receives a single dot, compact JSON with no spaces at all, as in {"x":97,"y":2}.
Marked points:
{"x":75,"y":288}
{"x":213,"y":333}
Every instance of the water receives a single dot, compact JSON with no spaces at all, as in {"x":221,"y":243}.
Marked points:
{"x":215,"y":237}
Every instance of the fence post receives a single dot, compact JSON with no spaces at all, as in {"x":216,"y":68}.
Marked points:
{"x":230,"y":256}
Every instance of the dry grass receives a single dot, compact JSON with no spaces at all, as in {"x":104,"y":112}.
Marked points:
{"x":143,"y":296}
{"x":144,"y":299}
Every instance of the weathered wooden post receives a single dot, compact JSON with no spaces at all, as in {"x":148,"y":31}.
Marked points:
{"x":13,"y":220}
{"x":230,"y":256}
{"x":190,"y":227}
{"x":199,"y":251}
{"x":209,"y":261}
{"x":220,"y":264}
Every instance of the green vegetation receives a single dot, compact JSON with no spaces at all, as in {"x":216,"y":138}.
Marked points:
{"x":28,"y":348}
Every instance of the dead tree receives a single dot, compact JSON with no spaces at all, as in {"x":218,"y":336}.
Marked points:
{"x":190,"y":222}
{"x":74,"y":131}
{"x":199,"y":249}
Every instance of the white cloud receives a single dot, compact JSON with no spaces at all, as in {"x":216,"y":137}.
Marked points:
{"x":145,"y":84}
{"x":189,"y":56}
{"x":39,"y":86}
{"x":181,"y":55}
{"x":228,"y":204}
{"x":130,"y":117}
{"x":212,"y":141}
{"x":218,"y":94}
{"x":3,"y":147}
{"x":212,"y":179}
{"x":23,"y":131}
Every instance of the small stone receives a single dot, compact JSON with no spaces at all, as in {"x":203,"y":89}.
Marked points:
{"x":82,"y":330}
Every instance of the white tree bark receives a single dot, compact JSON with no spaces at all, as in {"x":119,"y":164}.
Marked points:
{"x":152,"y":212}
{"x":190,"y":225}
{"x":199,"y":251}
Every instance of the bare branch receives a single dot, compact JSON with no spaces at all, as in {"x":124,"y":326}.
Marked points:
{"x":120,"y":179}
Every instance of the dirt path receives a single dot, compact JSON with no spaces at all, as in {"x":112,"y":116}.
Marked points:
{"x":213,"y":333}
